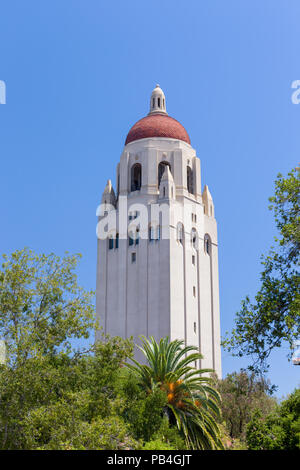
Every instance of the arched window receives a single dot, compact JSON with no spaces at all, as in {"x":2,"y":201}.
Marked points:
{"x":207,"y":244}
{"x":180,"y":233}
{"x":161,"y":169}
{"x":194,"y":238}
{"x":189,"y":177}
{"x":136,"y":177}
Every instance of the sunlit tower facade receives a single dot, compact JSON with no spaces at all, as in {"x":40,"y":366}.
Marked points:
{"x":157,"y":267}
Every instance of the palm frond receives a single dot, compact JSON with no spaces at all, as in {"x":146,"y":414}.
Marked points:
{"x":192,"y":400}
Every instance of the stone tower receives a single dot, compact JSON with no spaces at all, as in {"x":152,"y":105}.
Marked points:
{"x":157,"y":266}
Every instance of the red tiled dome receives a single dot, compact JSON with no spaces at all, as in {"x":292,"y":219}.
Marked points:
{"x":157,"y":125}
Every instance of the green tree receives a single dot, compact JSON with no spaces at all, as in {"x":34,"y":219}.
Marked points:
{"x":143,"y":414}
{"x":279,"y":430}
{"x":242,"y":393}
{"x":142,"y":411}
{"x":59,"y":402}
{"x":274,"y":317}
{"x":41,"y":305}
{"x":53,"y":397}
{"x":192,"y":403}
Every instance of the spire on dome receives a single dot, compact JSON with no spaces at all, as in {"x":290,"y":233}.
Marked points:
{"x":158,"y":101}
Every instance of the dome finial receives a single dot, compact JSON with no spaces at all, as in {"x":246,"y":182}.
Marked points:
{"x":158,"y":101}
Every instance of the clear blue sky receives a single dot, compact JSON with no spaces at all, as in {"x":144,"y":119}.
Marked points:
{"x":79,"y":73}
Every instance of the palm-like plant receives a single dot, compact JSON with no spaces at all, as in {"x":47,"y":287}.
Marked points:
{"x":193,"y":404}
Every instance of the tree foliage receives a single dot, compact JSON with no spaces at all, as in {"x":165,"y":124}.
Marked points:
{"x":41,"y":305}
{"x":50,"y":396}
{"x":279,"y":430}
{"x":242,"y":394}
{"x":192,"y":403}
{"x":53,"y":396}
{"x":143,"y":413}
{"x":65,"y":401}
{"x":274,"y":317}
{"x":56,"y":397}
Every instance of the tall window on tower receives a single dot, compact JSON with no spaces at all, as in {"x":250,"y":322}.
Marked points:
{"x":207,"y":244}
{"x":136,"y":177}
{"x":161,"y":169}
{"x":180,"y":233}
{"x":194,"y":238}
{"x":189,"y":177}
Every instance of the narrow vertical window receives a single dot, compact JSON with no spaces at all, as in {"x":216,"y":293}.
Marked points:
{"x":195,"y":327}
{"x":194,"y":291}
{"x":207,"y":244}
{"x":117,"y":241}
{"x":194,"y":238}
{"x":180,"y":233}
{"x":133,"y":257}
{"x":136,"y":177}
{"x":110,"y":243}
{"x":158,"y":101}
{"x":189,"y":177}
